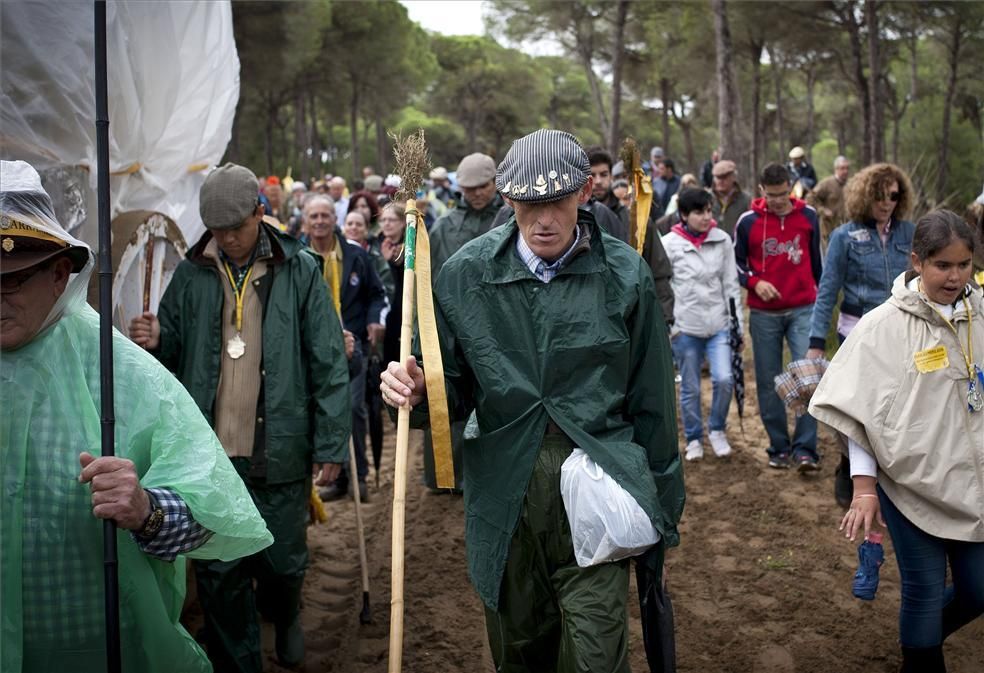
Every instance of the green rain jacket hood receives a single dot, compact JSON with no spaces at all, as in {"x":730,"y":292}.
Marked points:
{"x":589,"y":351}
{"x":306,"y":413}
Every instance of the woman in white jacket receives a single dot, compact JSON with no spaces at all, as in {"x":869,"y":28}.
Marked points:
{"x":907,"y":389}
{"x":704,"y":280}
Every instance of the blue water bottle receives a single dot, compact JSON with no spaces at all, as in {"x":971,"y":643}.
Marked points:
{"x":870,"y":558}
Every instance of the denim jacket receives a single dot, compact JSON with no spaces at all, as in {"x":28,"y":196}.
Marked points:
{"x":863,"y":268}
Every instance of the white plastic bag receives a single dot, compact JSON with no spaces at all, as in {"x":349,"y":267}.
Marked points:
{"x":607,"y":524}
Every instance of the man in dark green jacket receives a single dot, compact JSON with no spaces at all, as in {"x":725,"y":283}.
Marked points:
{"x":550,"y":329}
{"x":246,"y":326}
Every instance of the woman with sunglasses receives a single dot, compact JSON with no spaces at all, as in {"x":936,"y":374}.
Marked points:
{"x":864,"y":257}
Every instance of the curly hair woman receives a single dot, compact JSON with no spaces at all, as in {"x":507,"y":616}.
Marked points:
{"x":864,"y":256}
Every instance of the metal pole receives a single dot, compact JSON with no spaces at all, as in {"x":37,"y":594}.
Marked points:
{"x":108,"y":421}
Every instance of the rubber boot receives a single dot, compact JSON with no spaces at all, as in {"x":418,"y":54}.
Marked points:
{"x":923,"y":660}
{"x":287,"y":623}
{"x":290,"y":644}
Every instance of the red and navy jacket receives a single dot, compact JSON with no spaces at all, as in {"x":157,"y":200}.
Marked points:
{"x":784,"y":251}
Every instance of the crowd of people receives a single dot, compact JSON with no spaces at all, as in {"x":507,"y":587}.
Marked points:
{"x":276,"y":345}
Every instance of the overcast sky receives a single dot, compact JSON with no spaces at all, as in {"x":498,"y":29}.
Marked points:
{"x":448,"y":17}
{"x":464,"y":17}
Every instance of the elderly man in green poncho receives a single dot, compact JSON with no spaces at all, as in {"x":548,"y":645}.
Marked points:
{"x":552,"y":332}
{"x":171,"y":489}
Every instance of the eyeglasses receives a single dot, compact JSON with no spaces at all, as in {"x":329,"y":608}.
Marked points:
{"x":13,"y":282}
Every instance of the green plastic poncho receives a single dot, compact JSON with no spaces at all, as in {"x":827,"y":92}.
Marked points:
{"x":51,"y":565}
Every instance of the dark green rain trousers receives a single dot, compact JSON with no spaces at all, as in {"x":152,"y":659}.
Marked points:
{"x":553,"y":615}
{"x":225,"y":588}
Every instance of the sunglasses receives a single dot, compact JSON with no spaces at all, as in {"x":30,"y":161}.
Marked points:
{"x":13,"y":282}
{"x":892,"y":196}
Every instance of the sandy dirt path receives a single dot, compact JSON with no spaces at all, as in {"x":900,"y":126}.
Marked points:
{"x":761,"y":582}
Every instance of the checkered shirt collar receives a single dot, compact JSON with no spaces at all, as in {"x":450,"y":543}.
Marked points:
{"x":543,"y":270}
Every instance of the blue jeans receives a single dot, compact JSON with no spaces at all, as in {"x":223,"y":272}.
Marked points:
{"x":689,"y":353}
{"x":930,"y":610}
{"x":768,"y":330}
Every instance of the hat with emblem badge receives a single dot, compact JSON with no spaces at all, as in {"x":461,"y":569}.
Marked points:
{"x":547,"y":165}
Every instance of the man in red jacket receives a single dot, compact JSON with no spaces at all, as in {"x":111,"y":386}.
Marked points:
{"x":777,"y":251}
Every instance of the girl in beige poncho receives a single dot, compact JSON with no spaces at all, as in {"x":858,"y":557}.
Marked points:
{"x":907,"y":390}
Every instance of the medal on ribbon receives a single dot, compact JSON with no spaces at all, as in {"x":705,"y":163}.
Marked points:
{"x":975,"y":398}
{"x":236,"y":347}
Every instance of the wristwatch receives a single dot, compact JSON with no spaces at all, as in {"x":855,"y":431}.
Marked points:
{"x":152,"y":524}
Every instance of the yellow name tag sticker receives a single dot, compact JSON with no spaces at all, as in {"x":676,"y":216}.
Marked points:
{"x":932,"y":359}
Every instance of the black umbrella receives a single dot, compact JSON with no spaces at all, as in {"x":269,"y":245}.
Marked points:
{"x":374,"y":402}
{"x":656,"y":610}
{"x":108,"y":420}
{"x":737,"y":369}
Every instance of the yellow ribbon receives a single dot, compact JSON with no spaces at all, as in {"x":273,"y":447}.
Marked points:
{"x":332,"y":274}
{"x":643,"y":189}
{"x":979,"y":277}
{"x":430,"y":346}
{"x":240,"y":293}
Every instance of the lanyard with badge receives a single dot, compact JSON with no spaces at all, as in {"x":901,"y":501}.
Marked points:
{"x":236,"y":347}
{"x":975,"y":386}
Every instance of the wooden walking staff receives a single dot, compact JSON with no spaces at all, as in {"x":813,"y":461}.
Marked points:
{"x":642,"y":194}
{"x":411,"y":161}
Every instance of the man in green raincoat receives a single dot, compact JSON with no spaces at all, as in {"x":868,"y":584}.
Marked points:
{"x":247,"y":327}
{"x":552,"y":332}
{"x":170,"y":489}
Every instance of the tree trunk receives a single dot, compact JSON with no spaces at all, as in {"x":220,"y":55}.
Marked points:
{"x":315,"y":139}
{"x":232,"y":152}
{"x":729,"y":105}
{"x":686,"y":128}
{"x":777,"y":82}
{"x":757,"y":48}
{"x":847,"y":19}
{"x":268,"y":136}
{"x":380,"y":146}
{"x":877,"y":129}
{"x":354,"y":126}
{"x":584,"y":56}
{"x":300,"y":132}
{"x":953,"y":61}
{"x":811,"y":83}
{"x":614,"y":141}
{"x":667,"y":98}
{"x":913,"y":43}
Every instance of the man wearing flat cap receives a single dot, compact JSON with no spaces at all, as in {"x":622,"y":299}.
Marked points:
{"x":247,"y":326}
{"x":551,"y":331}
{"x":730,"y":200}
{"x":169,"y":488}
{"x":473,"y":216}
{"x":801,"y":171}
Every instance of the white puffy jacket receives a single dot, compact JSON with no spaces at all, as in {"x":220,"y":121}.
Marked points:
{"x":704,"y":279}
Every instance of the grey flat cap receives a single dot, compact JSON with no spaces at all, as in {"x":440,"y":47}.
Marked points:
{"x":476,"y":170}
{"x":544,"y":166}
{"x":228,"y":196}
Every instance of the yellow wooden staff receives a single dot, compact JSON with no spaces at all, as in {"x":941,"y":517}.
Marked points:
{"x":411,"y":160}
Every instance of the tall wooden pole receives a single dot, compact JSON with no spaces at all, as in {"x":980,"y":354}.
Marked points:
{"x":108,"y":419}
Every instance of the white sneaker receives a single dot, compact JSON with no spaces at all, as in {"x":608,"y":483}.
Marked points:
{"x":719,"y":442}
{"x":694,"y":451}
